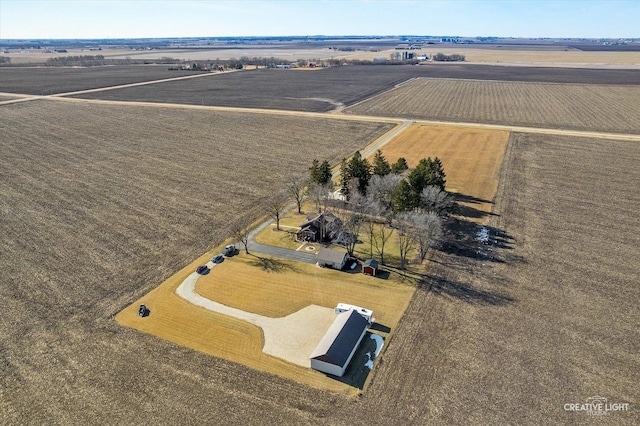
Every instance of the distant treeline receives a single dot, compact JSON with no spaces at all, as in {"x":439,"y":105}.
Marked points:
{"x":81,"y":60}
{"x":441,"y":57}
{"x":216,"y":64}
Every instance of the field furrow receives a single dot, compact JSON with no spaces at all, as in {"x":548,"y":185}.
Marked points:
{"x":548,"y":105}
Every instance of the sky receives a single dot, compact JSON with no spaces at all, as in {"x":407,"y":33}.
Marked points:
{"x":205,"y":18}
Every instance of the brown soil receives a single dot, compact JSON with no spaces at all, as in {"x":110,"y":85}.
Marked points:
{"x":564,"y":106}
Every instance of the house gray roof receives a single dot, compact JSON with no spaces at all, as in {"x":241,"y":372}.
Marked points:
{"x":326,"y":218}
{"x":345,"y":332}
{"x":330,"y":256}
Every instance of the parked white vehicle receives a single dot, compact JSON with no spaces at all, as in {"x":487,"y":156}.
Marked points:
{"x":345,"y":307}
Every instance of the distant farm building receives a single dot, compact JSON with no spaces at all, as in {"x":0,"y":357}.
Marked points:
{"x":370,"y":267}
{"x":320,"y":227}
{"x":335,"y":350}
{"x":332,"y":258}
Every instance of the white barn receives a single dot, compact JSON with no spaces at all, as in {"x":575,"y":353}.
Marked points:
{"x":332,"y":258}
{"x":335,"y":350}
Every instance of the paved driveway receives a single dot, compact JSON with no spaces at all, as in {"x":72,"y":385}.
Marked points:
{"x":255,"y":247}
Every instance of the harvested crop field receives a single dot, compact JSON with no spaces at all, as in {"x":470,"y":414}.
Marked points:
{"x":471,"y":160}
{"x":543,"y":315}
{"x":52,"y":80}
{"x":332,"y":88}
{"x":98,"y":205}
{"x":320,"y":91}
{"x":564,"y":106}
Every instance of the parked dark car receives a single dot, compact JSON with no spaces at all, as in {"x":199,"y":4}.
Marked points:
{"x":218,"y":258}
{"x":202,"y":269}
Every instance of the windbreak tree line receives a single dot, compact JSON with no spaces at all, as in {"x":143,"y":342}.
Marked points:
{"x":384,"y":199}
{"x":357,"y":172}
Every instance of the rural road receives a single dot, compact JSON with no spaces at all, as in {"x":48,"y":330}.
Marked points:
{"x":367,"y":118}
{"x":324,"y":115}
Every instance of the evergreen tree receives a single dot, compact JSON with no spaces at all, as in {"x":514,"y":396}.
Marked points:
{"x":359,"y":168}
{"x":381,"y":166}
{"x":421,"y":176}
{"x":315,"y":171}
{"x":399,"y":166}
{"x":345,"y":177}
{"x":325,"y":173}
{"x":404,"y":198}
{"x":438,"y":175}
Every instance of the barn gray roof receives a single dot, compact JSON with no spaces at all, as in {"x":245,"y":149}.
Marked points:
{"x":330,"y":256}
{"x":372,"y":263}
{"x":345,"y":332}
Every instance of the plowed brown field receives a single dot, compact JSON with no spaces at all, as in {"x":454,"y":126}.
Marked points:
{"x":563,"y":106}
{"x":99,"y":204}
{"x":471,"y":160}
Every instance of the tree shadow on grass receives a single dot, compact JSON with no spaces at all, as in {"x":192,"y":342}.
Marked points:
{"x":471,"y":212}
{"x":465,"y":292}
{"x":270,"y":264}
{"x":464,"y":198}
{"x":467,"y":210}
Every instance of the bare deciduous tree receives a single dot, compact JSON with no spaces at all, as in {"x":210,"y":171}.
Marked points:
{"x":240,"y":230}
{"x":378,"y":228}
{"x":276,"y":204}
{"x":405,"y":236}
{"x":354,"y":217}
{"x":320,"y":194}
{"x":382,"y":188}
{"x":296,"y":187}
{"x":433,"y":199}
{"x":427,"y":230}
{"x":385,"y":231}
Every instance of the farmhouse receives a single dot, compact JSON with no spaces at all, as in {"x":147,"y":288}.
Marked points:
{"x":332,"y":258}
{"x":322,"y":227}
{"x":370,"y":267}
{"x":335,"y":350}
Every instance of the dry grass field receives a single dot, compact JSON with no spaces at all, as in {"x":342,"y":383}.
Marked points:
{"x":284,"y":288}
{"x":98,"y":205}
{"x":560,"y":56}
{"x":564,"y":106}
{"x":52,"y":80}
{"x":471,"y":160}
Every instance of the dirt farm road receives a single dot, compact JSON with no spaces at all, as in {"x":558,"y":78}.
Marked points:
{"x":329,"y":116}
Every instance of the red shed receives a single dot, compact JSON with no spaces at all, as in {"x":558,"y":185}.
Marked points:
{"x":370,"y":267}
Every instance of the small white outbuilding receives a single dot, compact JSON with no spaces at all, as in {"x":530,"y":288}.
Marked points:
{"x":335,"y":350}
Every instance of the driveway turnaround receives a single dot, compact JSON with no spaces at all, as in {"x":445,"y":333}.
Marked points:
{"x":291,"y":338}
